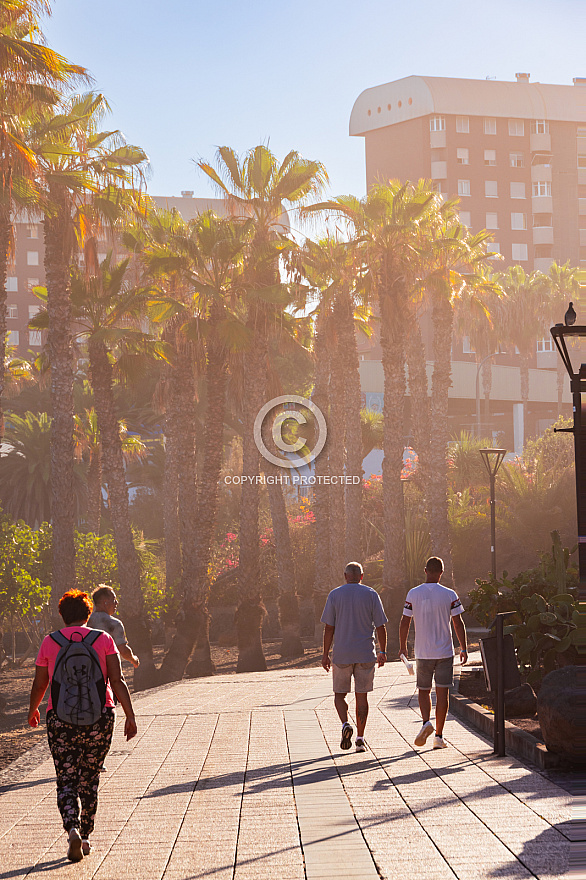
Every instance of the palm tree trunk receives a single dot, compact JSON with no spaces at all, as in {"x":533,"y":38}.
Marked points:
{"x":171,"y":505}
{"x":524,"y":370}
{"x":136,"y":621}
{"x":208,"y":487}
{"x":251,"y":611}
{"x":321,"y":492}
{"x":487,"y":388}
{"x":59,"y":344}
{"x":438,"y":478}
{"x":5,"y":237}
{"x":561,"y":376}
{"x":94,"y":491}
{"x":394,"y":569}
{"x":182,"y":404}
{"x":353,"y":502}
{"x":291,"y":645}
{"x":336,"y":448}
{"x":420,"y":402}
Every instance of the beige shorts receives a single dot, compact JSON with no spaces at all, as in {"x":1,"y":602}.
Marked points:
{"x":363,"y":677}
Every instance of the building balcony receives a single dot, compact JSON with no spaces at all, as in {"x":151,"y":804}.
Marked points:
{"x":541,"y":205}
{"x":439,"y":170}
{"x":540,"y":143}
{"x":437,"y":139}
{"x":581,"y":146}
{"x":543,"y":235}
{"x":541,"y":172}
{"x":582,"y":207}
{"x":583,"y":238}
{"x":581,"y":176}
{"x":543,"y":264}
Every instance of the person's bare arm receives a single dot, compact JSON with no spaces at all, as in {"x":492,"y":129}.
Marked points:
{"x":328,"y":639}
{"x":127,"y":653}
{"x":381,"y":634}
{"x":121,"y":690}
{"x":403,"y":633}
{"x":462,"y":638}
{"x":39,"y":686}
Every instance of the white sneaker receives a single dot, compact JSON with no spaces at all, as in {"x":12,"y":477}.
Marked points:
{"x":439,"y":742}
{"x":424,"y":734}
{"x":360,"y":745}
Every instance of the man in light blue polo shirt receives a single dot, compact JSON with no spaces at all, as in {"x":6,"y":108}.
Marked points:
{"x":353,"y":612}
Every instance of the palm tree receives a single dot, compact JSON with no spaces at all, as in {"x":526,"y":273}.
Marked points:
{"x":31,"y":73}
{"x":392,"y":222}
{"x":75,"y":161}
{"x":565,"y":286}
{"x":258,"y":186}
{"x":523,"y":318}
{"x":457,"y":261}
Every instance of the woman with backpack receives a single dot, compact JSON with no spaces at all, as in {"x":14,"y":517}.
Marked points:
{"x":82,"y":667}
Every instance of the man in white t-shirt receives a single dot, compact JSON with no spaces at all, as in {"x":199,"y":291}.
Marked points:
{"x":433,"y":606}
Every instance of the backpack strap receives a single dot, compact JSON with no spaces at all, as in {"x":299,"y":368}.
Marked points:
{"x":58,"y":637}
{"x":92,"y":637}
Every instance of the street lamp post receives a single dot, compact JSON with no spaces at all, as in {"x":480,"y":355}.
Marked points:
{"x":478,"y":369}
{"x":492,"y":458}
{"x":560,"y":334}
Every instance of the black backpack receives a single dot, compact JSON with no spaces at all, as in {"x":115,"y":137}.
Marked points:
{"x":78,"y":688}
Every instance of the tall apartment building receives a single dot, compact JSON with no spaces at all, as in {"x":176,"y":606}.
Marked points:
{"x":513,"y":152}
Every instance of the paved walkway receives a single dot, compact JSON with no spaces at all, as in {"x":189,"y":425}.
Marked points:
{"x":242,"y":777}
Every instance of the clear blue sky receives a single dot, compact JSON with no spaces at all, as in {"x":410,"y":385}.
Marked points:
{"x":184,"y":76}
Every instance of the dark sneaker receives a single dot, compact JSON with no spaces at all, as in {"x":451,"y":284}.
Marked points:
{"x":360,"y":745}
{"x":347,"y":733}
{"x":86,"y":847}
{"x":75,"y":852}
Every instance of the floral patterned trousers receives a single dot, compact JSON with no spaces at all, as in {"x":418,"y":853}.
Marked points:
{"x":79,"y":753}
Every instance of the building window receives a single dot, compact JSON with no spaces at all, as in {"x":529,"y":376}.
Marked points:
{"x":517,"y":160}
{"x":12,"y":311}
{"x":581,"y":161}
{"x":543,"y":251}
{"x":543,"y":220}
{"x":492,"y":221}
{"x":542,"y":188}
{"x":35,"y":338}
{"x":545,"y":345}
{"x":490,"y":189}
{"x":31,"y":283}
{"x":32,"y":230}
{"x":437,"y":123}
{"x":540,"y":126}
{"x":517,"y":190}
{"x":466,"y":347}
{"x":12,"y":284}
{"x":463,"y":155}
{"x":463,"y":187}
{"x":493,"y":250}
{"x":32,"y":311}
{"x":462,"y":125}
{"x":490,"y":126}
{"x":490,"y":157}
{"x":518,"y":221}
{"x":13,"y":337}
{"x":516,"y":127}
{"x":465,"y":218}
{"x":32,"y":258}
{"x":519,"y":253}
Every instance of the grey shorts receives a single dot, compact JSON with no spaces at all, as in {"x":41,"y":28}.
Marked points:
{"x":363,"y":677}
{"x":442,"y":670}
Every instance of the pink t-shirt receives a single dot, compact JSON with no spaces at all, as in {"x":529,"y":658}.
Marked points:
{"x":103,"y":645}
